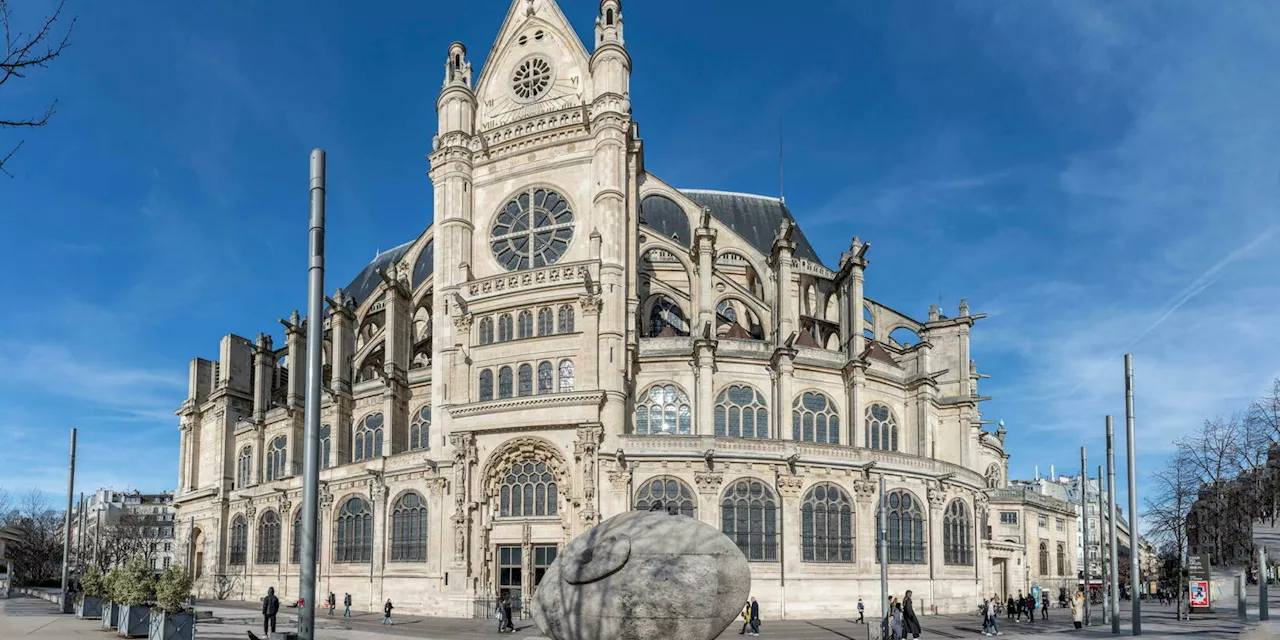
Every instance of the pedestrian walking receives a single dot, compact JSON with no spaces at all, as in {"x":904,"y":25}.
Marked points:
{"x":910,"y":623}
{"x":755,"y":617}
{"x":1044,"y":606}
{"x":346,"y":605}
{"x":862,"y":610}
{"x":332,"y":602}
{"x":746,"y":617}
{"x":1077,"y":610}
{"x":993,"y":615}
{"x":1010,"y":608}
{"x":386,"y":612}
{"x":270,"y":607}
{"x":895,"y":620}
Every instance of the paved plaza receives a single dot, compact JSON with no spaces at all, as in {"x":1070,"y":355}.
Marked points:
{"x":28,"y":617}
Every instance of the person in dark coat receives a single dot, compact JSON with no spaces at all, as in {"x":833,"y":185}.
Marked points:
{"x":333,"y":602}
{"x":270,"y":607}
{"x":506,"y":613}
{"x":386,"y":612}
{"x":910,"y":623}
{"x":346,"y":605}
{"x":1011,"y":608}
{"x":755,"y":617}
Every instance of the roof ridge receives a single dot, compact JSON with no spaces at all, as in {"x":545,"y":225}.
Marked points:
{"x":731,"y":193}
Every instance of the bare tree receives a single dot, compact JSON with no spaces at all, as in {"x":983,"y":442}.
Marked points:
{"x":37,"y":555}
{"x":1174,"y":489}
{"x":25,"y":52}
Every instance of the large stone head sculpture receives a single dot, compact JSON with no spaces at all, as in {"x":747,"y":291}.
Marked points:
{"x":644,"y":575}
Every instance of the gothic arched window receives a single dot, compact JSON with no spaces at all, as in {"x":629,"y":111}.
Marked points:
{"x":277,"y":458}
{"x":546,"y":378}
{"x":741,"y":412}
{"x":368,"y":439}
{"x":420,"y":430}
{"x":296,"y":549}
{"x":409,"y":529}
{"x":1044,"y":558}
{"x":268,"y":539}
{"x":486,"y":330}
{"x":504,"y":327}
{"x":326,"y":446}
{"x":239,"y":540}
{"x":663,"y":409}
{"x":486,"y":384}
{"x":244,"y":467}
{"x":667,"y":494}
{"x":1062,"y":559}
{"x":749,"y":516}
{"x":504,"y":382}
{"x":354,"y":539}
{"x":957,"y":534}
{"x":528,"y":489}
{"x":814,"y":419}
{"x":826,"y":525}
{"x":546,"y":322}
{"x":882,"y":428}
{"x":564,"y":323}
{"x":905,"y":530}
{"x":566,"y":376}
{"x":524,"y":327}
{"x":725,"y":313}
{"x":666,"y":318}
{"x":526,"y":380}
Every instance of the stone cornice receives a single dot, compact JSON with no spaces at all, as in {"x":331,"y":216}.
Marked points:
{"x":575,"y":399}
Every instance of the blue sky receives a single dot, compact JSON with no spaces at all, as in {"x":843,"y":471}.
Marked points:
{"x":1096,"y":177}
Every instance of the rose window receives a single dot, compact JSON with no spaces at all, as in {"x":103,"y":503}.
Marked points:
{"x":531,"y":79}
{"x":532,"y":230}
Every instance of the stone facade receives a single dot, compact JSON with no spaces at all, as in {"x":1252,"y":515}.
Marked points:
{"x":1032,"y":539}
{"x":573,"y":338}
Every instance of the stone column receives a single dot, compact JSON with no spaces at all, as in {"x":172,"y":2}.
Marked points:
{"x":784,"y":300}
{"x":704,"y":244}
{"x":343,"y":336}
{"x":463,"y":444}
{"x":866,"y":500}
{"x":296,"y":340}
{"x":936,"y":552}
{"x":379,"y":493}
{"x":790,"y":487}
{"x":263,"y":363}
{"x":589,"y":369}
{"x":397,"y":352}
{"x":709,"y":486}
{"x":783,"y":363}
{"x":854,"y":381}
{"x":704,"y":352}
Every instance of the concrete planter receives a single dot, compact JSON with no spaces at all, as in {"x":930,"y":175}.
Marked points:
{"x":135,"y":622}
{"x":110,"y":615}
{"x":89,"y":607}
{"x":172,"y":626}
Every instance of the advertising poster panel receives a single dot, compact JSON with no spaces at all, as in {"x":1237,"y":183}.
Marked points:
{"x":1199,"y":577}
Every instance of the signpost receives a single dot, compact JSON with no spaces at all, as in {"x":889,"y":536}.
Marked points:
{"x":1199,"y":574}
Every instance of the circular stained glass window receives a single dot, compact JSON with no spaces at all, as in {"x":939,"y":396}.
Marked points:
{"x":531,"y":79}
{"x":532,"y":230}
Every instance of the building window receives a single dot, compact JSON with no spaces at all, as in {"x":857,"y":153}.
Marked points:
{"x":534,"y":228}
{"x":239,"y":540}
{"x":355,"y":532}
{"x":504,"y":327}
{"x":741,"y":412}
{"x":486,"y":385}
{"x":368,"y":439}
{"x":905,"y":529}
{"x":663,"y":410}
{"x":277,"y":459}
{"x":296,"y":549}
{"x":524,"y":326}
{"x":546,"y":322}
{"x":1042,"y":521}
{"x":526,"y":380}
{"x":564,"y":322}
{"x":244,"y":467}
{"x":420,"y":430}
{"x":486,"y":330}
{"x":667,"y":319}
{"x":546,"y":378}
{"x":167,"y":561}
{"x":1062,"y":559}
{"x":749,"y":516}
{"x":1008,"y":517}
{"x":566,"y":376}
{"x":268,"y":539}
{"x":409,"y":529}
{"x":957,"y":534}
{"x":529,"y":489}
{"x":1044,"y":558}
{"x":826,"y":525}
{"x":1059,"y":523}
{"x":814,"y":419}
{"x":326,"y":446}
{"x":504,"y":382}
{"x":882,"y":428}
{"x":667,"y":494}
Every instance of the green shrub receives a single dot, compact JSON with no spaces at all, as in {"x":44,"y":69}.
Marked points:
{"x":109,"y":584}
{"x":134,"y":584}
{"x":173,"y":589}
{"x":92,"y":583}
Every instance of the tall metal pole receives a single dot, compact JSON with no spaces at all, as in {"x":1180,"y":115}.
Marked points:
{"x":80,"y":531}
{"x":1263,"y":613}
{"x":1111,"y":528}
{"x":66,"y":526}
{"x":1102,"y":546}
{"x":311,"y":448}
{"x":1130,"y":444}
{"x":884,"y":554}
{"x":1084,"y":530}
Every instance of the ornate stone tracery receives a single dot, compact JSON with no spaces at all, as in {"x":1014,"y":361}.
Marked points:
{"x":518,"y":450}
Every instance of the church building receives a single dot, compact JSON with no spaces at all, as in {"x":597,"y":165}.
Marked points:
{"x":573,"y":337}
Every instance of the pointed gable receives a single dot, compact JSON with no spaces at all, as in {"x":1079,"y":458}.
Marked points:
{"x":876,"y":351}
{"x":537,"y":65}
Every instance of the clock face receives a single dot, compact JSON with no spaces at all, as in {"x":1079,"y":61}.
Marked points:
{"x":531,"y":79}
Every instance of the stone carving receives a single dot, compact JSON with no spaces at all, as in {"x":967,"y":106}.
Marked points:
{"x":436,"y":486}
{"x":463,"y":454}
{"x":937,"y":498}
{"x":790,"y":486}
{"x":603,"y":584}
{"x":708,"y":482}
{"x":864,"y":490}
{"x":250,"y":510}
{"x":585,"y":449}
{"x":591,"y":304}
{"x":619,"y":480}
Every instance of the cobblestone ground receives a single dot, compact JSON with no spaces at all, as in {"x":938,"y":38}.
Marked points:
{"x":27,"y":617}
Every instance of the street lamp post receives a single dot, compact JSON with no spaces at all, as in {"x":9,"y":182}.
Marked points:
{"x":1131,"y":444}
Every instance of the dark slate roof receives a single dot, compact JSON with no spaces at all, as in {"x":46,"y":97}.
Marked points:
{"x":667,"y":218}
{"x":367,"y":282}
{"x":753,"y":217}
{"x":426,"y":263}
